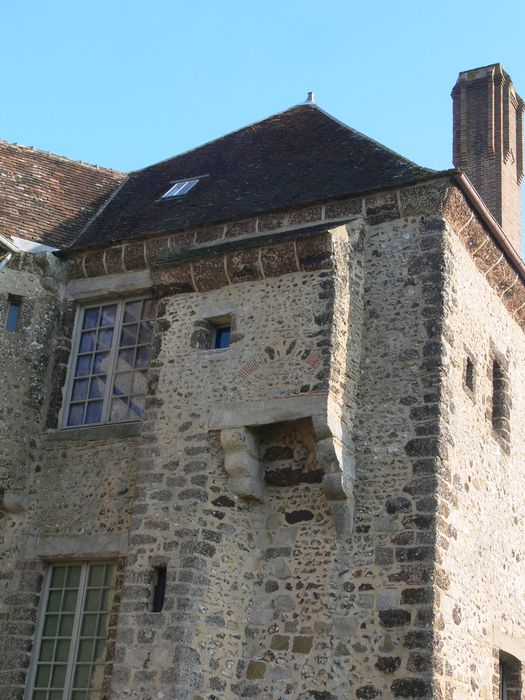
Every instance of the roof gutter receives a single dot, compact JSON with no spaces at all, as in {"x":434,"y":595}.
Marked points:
{"x":10,"y":248}
{"x":8,"y":244}
{"x":473,"y":197}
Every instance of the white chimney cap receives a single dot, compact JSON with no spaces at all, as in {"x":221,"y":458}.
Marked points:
{"x":310,"y":98}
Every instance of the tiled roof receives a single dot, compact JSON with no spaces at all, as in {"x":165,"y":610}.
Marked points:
{"x":299,"y":156}
{"x":48,"y":198}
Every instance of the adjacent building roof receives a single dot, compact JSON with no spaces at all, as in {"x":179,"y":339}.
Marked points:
{"x":299,"y":156}
{"x":48,"y":198}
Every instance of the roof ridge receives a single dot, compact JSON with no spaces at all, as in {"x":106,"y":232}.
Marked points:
{"x":56,"y":156}
{"x":305,"y":105}
{"x":308,"y":105}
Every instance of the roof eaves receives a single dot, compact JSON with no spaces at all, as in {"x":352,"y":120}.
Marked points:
{"x":8,"y":245}
{"x":418,"y":178}
{"x":480,"y":207}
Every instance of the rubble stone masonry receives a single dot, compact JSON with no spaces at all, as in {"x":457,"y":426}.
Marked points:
{"x":336,"y":511}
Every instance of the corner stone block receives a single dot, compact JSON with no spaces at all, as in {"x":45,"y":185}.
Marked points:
{"x":241,"y":462}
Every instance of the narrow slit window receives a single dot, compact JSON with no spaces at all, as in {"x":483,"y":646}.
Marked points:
{"x":13,"y":314}
{"x":509,"y":677}
{"x":180,"y":188}
{"x":159,"y":589}
{"x":469,"y":374}
{"x":222,"y":337}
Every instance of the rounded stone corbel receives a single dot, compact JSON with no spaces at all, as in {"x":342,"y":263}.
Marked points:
{"x":338,"y":462}
{"x":242,"y":464}
{"x":13,"y":502}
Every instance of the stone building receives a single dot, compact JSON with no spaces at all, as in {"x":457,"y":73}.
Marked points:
{"x":260,"y":417}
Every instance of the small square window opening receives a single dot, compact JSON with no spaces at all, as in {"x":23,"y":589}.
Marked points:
{"x":13,"y":313}
{"x":180,"y":188}
{"x":222,"y":337}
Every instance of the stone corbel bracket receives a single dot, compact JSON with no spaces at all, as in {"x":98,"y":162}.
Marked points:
{"x":13,"y":502}
{"x":242,"y":464}
{"x":338,"y":462}
{"x":334,"y":449}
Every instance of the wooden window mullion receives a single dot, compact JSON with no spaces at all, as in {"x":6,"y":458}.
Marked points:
{"x":75,"y":634}
{"x":113,"y":357}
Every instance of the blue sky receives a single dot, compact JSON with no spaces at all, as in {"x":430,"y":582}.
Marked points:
{"x":125,"y":84}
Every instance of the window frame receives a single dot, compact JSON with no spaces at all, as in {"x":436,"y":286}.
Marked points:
{"x":218,"y":332}
{"x":71,"y":663}
{"x":120,"y":302}
{"x":185,"y":186}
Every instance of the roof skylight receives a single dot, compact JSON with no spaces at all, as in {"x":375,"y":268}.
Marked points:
{"x":180,"y":188}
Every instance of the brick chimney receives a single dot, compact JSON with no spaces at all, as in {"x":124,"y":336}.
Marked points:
{"x":488,"y":142}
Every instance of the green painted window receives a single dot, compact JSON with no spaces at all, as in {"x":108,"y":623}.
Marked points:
{"x":71,"y":644}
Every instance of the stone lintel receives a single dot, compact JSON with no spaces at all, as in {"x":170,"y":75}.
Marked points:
{"x":76,"y":546}
{"x":502,"y":640}
{"x":267,"y":411}
{"x":119,"y":284}
{"x":13,"y":502}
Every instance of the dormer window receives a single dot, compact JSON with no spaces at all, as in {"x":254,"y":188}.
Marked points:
{"x":180,"y":188}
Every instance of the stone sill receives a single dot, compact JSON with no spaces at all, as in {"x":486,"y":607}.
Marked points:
{"x":213,"y":352}
{"x":118,"y":431}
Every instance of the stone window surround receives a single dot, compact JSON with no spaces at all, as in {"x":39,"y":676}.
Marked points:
{"x":55,"y":549}
{"x":204,"y":327}
{"x":505,"y":644}
{"x":111,"y":373}
{"x":72,"y":662}
{"x":81,"y":292}
{"x":334,"y":449}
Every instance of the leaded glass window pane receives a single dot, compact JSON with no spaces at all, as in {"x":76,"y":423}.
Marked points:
{"x":107,"y":381}
{"x":134,"y":353}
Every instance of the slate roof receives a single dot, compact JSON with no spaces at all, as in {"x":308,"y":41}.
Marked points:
{"x":48,"y":198}
{"x":299,"y":156}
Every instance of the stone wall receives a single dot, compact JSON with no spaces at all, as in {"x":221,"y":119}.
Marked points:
{"x":243,"y":598}
{"x":312,"y":490}
{"x":25,"y":358}
{"x":481,"y":501}
{"x":387,"y":583}
{"x":313,"y":611}
{"x":59,"y":497}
